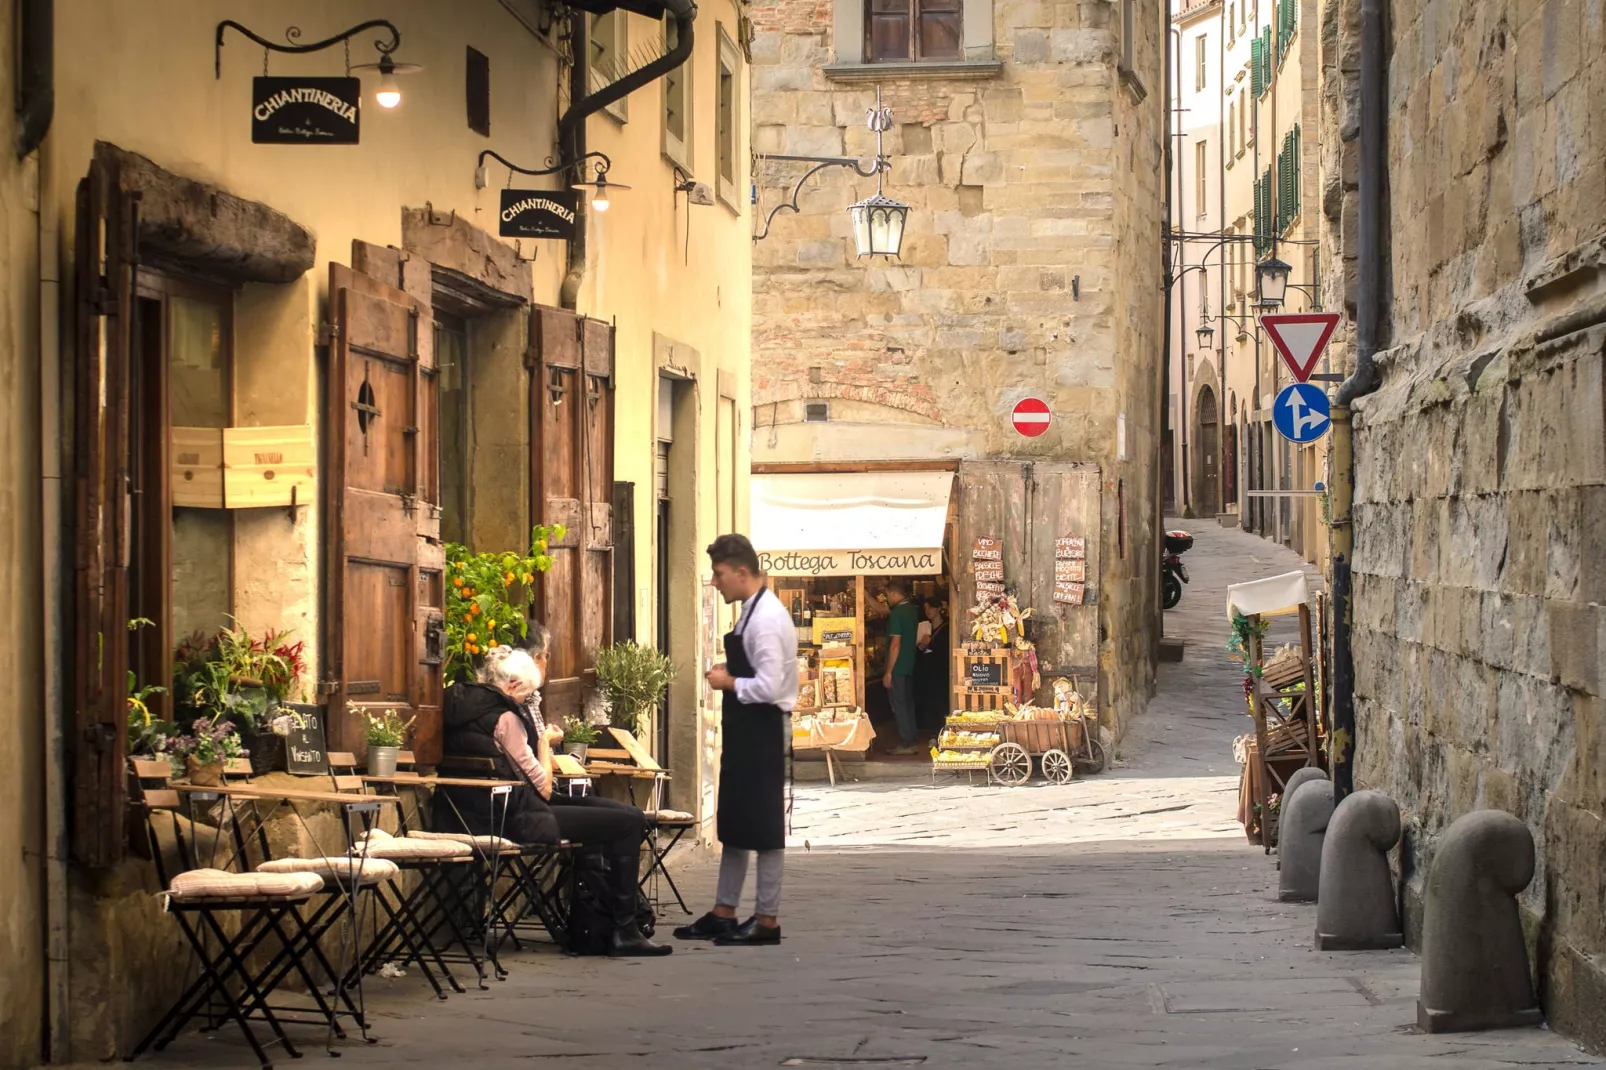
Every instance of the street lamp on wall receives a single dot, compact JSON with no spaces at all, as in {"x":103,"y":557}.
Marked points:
{"x":878,"y":220}
{"x":1206,"y":333}
{"x":387,"y":96}
{"x":598,"y":183}
{"x":1273,"y":276}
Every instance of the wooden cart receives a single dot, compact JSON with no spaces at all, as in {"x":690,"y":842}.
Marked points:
{"x":1057,"y":745}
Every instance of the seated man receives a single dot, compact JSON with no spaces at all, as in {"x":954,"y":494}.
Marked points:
{"x":497,"y":718}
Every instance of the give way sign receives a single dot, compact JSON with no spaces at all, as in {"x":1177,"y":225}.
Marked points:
{"x":1030,"y":416}
{"x":1300,"y":337}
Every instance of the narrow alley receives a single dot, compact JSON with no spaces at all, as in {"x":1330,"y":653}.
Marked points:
{"x":1118,"y":921}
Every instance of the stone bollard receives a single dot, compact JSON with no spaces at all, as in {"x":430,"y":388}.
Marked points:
{"x":1474,"y":958}
{"x":1301,"y":776}
{"x":1305,"y":817}
{"x":1355,"y":907}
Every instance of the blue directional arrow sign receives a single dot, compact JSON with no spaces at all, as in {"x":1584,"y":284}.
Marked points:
{"x":1301,"y":413}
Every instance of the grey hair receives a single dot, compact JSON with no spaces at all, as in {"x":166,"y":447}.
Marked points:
{"x":538,"y":640}
{"x":508,"y":667}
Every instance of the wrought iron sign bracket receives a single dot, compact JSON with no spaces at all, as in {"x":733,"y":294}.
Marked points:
{"x":878,"y":165}
{"x":293,"y":34}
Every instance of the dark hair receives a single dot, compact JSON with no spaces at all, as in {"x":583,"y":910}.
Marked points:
{"x":735,"y":551}
{"x":539,"y":639}
{"x":901,"y":586}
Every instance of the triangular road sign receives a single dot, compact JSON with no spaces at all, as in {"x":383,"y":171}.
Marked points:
{"x":1300,"y":337}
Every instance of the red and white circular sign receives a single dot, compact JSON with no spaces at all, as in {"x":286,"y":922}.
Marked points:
{"x":1030,"y":417}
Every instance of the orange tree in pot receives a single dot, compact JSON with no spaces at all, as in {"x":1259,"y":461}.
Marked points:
{"x":489,"y":597}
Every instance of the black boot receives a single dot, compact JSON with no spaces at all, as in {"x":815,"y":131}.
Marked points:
{"x":622,"y":885}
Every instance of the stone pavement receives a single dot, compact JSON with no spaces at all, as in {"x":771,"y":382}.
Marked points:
{"x":1118,"y":921}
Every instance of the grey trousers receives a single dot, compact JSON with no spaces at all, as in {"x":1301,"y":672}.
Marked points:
{"x":733,"y":874}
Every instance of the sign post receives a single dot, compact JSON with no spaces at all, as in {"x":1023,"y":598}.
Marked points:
{"x":1301,"y":338}
{"x":1030,"y":417}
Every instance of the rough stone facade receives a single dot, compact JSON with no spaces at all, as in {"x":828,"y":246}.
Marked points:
{"x":1030,"y":266}
{"x":1480,"y":503}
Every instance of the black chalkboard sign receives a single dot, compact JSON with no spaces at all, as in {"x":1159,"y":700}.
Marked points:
{"x":987,"y":674}
{"x":305,"y":751}
{"x":538,"y":213}
{"x":305,"y":111}
{"x":843,"y":636}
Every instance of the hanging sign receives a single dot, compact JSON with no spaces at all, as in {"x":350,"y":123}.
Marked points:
{"x":1301,"y":413}
{"x":538,"y":213}
{"x":1070,"y":572}
{"x":990,"y":571}
{"x":988,"y":589}
{"x":1300,"y":337}
{"x":1070,"y":548}
{"x":1070,"y":594}
{"x":986,"y":548}
{"x":305,"y":111}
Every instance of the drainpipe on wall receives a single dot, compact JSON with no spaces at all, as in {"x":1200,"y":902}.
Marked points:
{"x":1362,"y":381}
{"x":1168,"y":280}
{"x":572,"y":126}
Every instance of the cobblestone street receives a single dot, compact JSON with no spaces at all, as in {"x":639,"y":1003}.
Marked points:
{"x":1119,"y":921}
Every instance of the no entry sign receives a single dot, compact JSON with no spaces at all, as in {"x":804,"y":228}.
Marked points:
{"x":1030,"y":416}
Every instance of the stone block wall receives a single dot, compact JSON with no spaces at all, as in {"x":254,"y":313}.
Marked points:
{"x":1480,"y":511}
{"x":1029,"y":268}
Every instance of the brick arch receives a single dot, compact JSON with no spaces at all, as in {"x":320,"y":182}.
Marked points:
{"x":901,"y":396}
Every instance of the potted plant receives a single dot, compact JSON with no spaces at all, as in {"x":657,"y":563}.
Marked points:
{"x":632,"y":679}
{"x":488,"y":598}
{"x":248,"y":680}
{"x":209,"y":744}
{"x":386,"y":734}
{"x":578,"y":735}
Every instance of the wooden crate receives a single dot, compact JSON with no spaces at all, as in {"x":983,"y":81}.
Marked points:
{"x":268,"y":466}
{"x":195,"y":466}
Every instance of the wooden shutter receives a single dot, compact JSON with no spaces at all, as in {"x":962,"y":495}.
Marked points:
{"x":888,"y":30}
{"x":1256,"y":76}
{"x":383,"y":609}
{"x":572,"y":409}
{"x":942,"y":29}
{"x":106,"y":247}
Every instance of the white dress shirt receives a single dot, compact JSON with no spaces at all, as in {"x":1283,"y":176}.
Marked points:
{"x":770,"y":639}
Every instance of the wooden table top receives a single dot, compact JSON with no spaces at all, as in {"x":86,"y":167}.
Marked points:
{"x":251,"y":791}
{"x":441,"y":781}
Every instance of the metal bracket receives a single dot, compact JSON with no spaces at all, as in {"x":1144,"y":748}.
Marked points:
{"x":434,"y":219}
{"x":328,"y":333}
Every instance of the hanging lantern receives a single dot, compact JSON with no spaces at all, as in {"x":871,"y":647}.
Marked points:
{"x":878,"y":222}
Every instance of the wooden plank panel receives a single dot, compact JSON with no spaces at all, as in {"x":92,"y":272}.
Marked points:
{"x":266,"y":466}
{"x":388,"y":533}
{"x":196,"y":468}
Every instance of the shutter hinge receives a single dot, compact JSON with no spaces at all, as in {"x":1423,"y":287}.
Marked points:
{"x":328,"y":685}
{"x":409,"y":503}
{"x":328,"y":333}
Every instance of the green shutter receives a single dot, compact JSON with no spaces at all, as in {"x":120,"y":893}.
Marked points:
{"x":1254,"y":69}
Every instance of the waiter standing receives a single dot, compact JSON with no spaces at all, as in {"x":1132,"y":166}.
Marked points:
{"x":759,"y":678}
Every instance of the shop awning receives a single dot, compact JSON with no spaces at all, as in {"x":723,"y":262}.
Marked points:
{"x":835,"y":524}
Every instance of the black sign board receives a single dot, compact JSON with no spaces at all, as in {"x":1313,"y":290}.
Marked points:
{"x":538,"y":213}
{"x":304,"y":749}
{"x":843,"y":636}
{"x":987,"y":673}
{"x":305,"y":111}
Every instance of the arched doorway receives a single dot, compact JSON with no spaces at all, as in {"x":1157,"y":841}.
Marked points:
{"x":1208,"y":485}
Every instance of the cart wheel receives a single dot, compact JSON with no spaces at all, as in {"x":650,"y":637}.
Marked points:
{"x":1011,"y":764}
{"x":1096,"y":760}
{"x":1057,"y":767}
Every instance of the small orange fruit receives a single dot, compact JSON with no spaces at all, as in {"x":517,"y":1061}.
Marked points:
{"x":469,"y":638}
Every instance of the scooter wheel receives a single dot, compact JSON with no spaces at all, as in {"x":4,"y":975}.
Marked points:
{"x":1172,"y":588}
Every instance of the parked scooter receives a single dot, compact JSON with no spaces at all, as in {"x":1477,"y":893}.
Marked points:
{"x":1173,"y":573}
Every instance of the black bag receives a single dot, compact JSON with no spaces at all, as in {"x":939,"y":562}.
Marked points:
{"x":590,"y":920}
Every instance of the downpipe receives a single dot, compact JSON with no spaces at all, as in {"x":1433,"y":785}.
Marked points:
{"x":572,"y":125}
{"x":1364,"y":380}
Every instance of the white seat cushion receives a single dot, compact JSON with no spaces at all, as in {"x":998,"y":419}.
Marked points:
{"x":382,"y":844}
{"x":220,"y":884}
{"x":484,"y":843}
{"x":672,"y":818}
{"x":337,"y":870}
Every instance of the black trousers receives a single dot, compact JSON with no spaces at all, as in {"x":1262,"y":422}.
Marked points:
{"x":608,"y":826}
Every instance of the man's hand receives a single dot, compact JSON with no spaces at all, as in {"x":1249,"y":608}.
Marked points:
{"x":720,"y":679}
{"x":886,"y":681}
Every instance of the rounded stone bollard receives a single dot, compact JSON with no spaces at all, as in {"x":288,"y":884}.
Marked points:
{"x":1355,"y":907}
{"x":1301,"y":776}
{"x":1474,"y":959}
{"x":1305,"y":817}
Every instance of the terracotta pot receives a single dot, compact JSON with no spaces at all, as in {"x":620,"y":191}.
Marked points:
{"x":209,"y":775}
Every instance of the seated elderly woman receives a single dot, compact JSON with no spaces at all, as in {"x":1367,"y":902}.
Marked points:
{"x":498,"y":717}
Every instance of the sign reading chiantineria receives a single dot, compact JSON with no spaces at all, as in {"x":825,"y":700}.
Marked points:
{"x":305,"y":111}
{"x":538,"y":213}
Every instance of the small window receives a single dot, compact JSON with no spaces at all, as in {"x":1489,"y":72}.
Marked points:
{"x":478,"y":87}
{"x":1243,"y":121}
{"x":1232,"y":128}
{"x":910,"y":31}
{"x":1201,"y":76}
{"x":1232,"y":21}
{"x":610,"y":49}
{"x":727,"y":119}
{"x":816,"y":412}
{"x":677,"y":104}
{"x":1201,"y":185}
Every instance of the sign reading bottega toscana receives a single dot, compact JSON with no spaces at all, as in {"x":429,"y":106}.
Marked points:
{"x":538,"y":213}
{"x":305,"y":111}
{"x":850,"y":562}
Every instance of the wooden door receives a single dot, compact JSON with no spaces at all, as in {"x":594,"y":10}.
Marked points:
{"x":571,"y":410}
{"x":105,"y":254}
{"x":1029,"y":505}
{"x":384,"y":607}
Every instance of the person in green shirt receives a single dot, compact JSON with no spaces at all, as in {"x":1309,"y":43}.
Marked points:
{"x":903,"y":624}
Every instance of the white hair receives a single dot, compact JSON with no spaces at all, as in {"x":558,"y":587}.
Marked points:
{"x":509,"y":669}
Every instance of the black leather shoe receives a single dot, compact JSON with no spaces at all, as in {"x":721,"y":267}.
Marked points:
{"x":707,"y":927}
{"x":629,"y":943}
{"x":750,"y":934}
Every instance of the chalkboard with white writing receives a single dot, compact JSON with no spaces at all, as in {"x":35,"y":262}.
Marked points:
{"x":306,"y":753}
{"x":987,"y":674}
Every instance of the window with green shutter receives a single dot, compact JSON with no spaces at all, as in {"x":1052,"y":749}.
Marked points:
{"x":1257,"y":81}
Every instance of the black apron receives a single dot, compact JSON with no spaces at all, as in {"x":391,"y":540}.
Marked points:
{"x":752,"y":766}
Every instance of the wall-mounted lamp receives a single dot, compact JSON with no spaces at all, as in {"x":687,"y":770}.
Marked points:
{"x":878,"y":220}
{"x":1206,"y":333}
{"x":1273,"y":275}
{"x":598,"y":183}
{"x":387,"y":96}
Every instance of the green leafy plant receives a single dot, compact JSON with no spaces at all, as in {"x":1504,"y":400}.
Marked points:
{"x":579,"y":731}
{"x":147,"y":733}
{"x":245,"y":679}
{"x":387,"y":729}
{"x":632,"y":679}
{"x":209,"y":741}
{"x":488,"y":598}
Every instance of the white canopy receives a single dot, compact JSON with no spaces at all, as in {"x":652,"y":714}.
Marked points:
{"x":828,"y":524}
{"x":1269,"y":597}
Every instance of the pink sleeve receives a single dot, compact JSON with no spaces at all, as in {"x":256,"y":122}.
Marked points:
{"x":510,"y":736}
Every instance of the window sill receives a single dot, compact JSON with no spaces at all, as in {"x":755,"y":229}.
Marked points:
{"x":948,"y":70}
